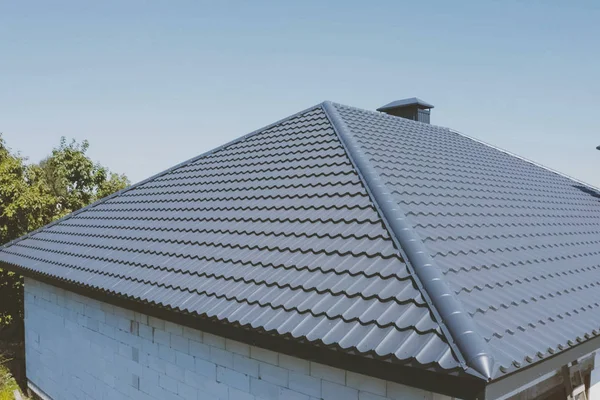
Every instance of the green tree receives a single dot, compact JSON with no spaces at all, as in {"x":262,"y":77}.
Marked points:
{"x":33,"y":195}
{"x":74,"y":180}
{"x":25,"y":200}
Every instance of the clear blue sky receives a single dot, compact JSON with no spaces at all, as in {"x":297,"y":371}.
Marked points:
{"x":152,"y":83}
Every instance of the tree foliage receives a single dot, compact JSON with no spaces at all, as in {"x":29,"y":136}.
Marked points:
{"x":33,"y":195}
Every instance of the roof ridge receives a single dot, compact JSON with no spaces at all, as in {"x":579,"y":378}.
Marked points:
{"x":537,"y":164}
{"x":452,"y":130}
{"x":457,"y":325}
{"x":166,"y":171}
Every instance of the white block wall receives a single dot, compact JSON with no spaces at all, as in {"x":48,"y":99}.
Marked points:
{"x":79,"y":348}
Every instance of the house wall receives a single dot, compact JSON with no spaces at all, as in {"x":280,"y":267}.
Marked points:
{"x":80,"y":348}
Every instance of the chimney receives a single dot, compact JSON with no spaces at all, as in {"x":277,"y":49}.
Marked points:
{"x":413,"y":108}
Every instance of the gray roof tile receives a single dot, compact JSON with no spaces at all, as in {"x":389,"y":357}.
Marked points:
{"x":279,"y":232}
{"x":275,"y":231}
{"x":517,"y":243}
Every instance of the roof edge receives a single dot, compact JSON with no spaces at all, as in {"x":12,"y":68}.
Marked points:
{"x":455,"y":384}
{"x":460,"y":329}
{"x":166,"y":171}
{"x":527,"y":160}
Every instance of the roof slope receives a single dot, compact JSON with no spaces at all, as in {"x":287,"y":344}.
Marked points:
{"x":354,"y":229}
{"x":518,"y":244}
{"x":274,"y":231}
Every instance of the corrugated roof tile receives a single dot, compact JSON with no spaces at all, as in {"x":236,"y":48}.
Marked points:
{"x":517,"y":243}
{"x":275,"y":231}
{"x":279,"y":232}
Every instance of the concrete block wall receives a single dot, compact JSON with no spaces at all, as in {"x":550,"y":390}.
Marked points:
{"x":79,"y":348}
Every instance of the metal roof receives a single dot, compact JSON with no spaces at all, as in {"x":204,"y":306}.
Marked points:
{"x":275,"y":232}
{"x":361,"y":231}
{"x":517,"y":243}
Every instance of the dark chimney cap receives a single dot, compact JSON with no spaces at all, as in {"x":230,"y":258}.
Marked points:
{"x":413,"y":108}
{"x":413,"y":101}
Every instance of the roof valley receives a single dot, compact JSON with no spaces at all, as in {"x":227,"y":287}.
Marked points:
{"x":460,"y":329}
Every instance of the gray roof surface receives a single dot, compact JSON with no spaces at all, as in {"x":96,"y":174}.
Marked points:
{"x":275,"y":232}
{"x":279,"y":231}
{"x":517,"y":243}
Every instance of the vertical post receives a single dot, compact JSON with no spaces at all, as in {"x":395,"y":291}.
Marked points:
{"x":575,"y":386}
{"x":594,"y":389}
{"x":566,"y":374}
